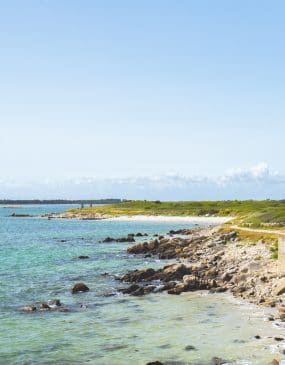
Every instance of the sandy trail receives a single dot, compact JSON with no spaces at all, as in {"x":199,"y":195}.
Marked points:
{"x":258,"y":230}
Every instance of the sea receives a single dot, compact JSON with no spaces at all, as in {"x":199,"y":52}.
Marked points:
{"x":39,"y":262}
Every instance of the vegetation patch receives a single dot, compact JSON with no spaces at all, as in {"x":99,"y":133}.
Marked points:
{"x":248,"y":213}
{"x":274,"y":250}
{"x":251,"y":237}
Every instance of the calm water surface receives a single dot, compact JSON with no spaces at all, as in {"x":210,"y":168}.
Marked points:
{"x":36,"y":265}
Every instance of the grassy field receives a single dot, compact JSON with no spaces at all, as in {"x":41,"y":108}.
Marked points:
{"x":252,"y":213}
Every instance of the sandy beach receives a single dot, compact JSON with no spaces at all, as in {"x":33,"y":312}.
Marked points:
{"x":160,"y":218}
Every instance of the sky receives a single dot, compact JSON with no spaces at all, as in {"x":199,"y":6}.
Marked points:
{"x":136,"y":99}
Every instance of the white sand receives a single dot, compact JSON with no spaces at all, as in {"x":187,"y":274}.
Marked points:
{"x":162,"y":218}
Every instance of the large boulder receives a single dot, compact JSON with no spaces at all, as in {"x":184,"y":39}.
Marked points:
{"x":174,"y":272}
{"x":140,"y":248}
{"x":227,"y":276}
{"x":165,"y":248}
{"x":189,"y":279}
{"x":228,"y":236}
{"x":178,"y":289}
{"x":79,"y":288}
{"x":168,"y":254}
{"x":136,"y":276}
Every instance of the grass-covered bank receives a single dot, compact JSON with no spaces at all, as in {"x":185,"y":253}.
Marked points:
{"x":253,"y":213}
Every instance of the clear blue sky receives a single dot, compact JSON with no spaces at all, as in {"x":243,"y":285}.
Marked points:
{"x":128,"y":88}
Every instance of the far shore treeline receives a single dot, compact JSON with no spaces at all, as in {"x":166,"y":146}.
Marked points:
{"x":59,"y":201}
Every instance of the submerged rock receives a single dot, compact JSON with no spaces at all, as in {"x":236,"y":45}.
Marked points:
{"x":79,"y":288}
{"x":129,"y":238}
{"x":131,"y":289}
{"x":44,"y":306}
{"x":190,"y":348}
{"x":20,"y":215}
{"x":109,"y":239}
{"x":29,"y":308}
{"x":54,"y":304}
{"x":278,"y":339}
{"x":218,"y":361}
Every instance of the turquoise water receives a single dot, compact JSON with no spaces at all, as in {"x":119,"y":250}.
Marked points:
{"x":109,"y":330}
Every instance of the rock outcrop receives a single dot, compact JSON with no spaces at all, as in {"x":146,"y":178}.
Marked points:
{"x":174,"y":279}
{"x":210,"y":261}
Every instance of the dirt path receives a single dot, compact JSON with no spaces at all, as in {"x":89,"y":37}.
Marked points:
{"x":272,"y":231}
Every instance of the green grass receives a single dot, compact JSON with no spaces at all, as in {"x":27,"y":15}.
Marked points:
{"x":251,"y":237}
{"x":253,"y":213}
{"x":274,"y":250}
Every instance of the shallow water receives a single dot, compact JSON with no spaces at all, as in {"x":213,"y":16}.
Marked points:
{"x":39,"y":262}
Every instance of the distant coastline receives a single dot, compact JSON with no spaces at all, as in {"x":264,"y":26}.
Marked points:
{"x":257,"y":214}
{"x":59,"y":201}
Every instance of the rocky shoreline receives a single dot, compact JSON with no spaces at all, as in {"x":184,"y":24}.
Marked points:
{"x":209,"y":260}
{"x":206,"y":259}
{"x":72,"y":215}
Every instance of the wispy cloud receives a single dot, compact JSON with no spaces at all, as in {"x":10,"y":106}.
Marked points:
{"x":256,"y":182}
{"x":260,"y":172}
